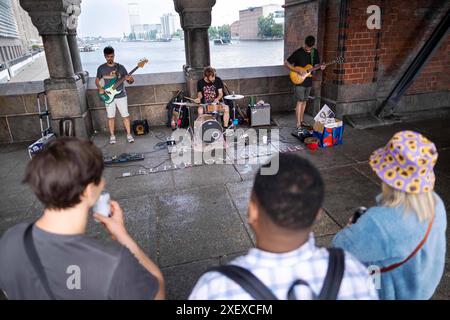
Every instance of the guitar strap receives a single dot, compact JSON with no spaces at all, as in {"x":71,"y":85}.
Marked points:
{"x":117,"y":70}
{"x":312,"y":56}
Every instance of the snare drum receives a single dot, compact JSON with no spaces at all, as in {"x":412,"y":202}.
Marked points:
{"x":207,"y":129}
{"x":214,"y":107}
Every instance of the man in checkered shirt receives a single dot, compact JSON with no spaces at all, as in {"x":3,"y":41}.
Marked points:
{"x":282,"y":210}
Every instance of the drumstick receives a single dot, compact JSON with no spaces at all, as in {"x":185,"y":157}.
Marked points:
{"x":190,"y":99}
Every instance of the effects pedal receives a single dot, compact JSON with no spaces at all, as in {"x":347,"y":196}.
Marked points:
{"x":124,"y":157}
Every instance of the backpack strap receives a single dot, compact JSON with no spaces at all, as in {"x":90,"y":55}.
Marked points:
{"x":291,"y":293}
{"x":35,"y":261}
{"x":333,"y":278}
{"x":247,"y":281}
{"x":259,"y":291}
{"x":335,"y":273}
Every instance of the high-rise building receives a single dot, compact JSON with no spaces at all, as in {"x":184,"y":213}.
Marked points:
{"x":135,"y":18}
{"x":170,"y":23}
{"x":248,"y":20}
{"x":28,"y":33}
{"x":10,"y":44}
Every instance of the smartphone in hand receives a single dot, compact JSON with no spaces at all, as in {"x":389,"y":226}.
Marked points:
{"x":358,"y":213}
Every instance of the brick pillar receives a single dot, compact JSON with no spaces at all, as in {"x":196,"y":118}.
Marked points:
{"x":65,"y":90}
{"x":304,"y":18}
{"x":376,"y":58}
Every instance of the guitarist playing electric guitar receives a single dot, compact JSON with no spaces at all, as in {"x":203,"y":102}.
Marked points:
{"x":306,"y":55}
{"x":112,"y":72}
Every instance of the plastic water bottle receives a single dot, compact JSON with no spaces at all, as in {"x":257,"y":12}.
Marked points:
{"x":102,"y":206}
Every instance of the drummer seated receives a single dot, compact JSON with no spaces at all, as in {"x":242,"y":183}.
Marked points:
{"x":210,"y":91}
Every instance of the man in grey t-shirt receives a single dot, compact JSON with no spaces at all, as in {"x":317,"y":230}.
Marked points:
{"x":106,"y":73}
{"x":67,"y":178}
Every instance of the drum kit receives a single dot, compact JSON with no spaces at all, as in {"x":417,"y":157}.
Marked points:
{"x":207,"y":126}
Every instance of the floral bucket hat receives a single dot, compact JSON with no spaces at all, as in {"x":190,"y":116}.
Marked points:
{"x":406,"y":163}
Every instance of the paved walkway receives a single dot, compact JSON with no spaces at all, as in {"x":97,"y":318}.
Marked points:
{"x":35,"y":71}
{"x":190,"y":219}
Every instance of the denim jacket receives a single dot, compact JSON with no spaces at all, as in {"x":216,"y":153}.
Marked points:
{"x":384,"y":236}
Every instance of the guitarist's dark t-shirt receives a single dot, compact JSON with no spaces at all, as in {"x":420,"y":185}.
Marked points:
{"x":108,"y":73}
{"x":300,"y":58}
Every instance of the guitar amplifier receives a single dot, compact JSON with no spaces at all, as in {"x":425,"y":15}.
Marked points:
{"x":140,"y":127}
{"x":259,"y":114}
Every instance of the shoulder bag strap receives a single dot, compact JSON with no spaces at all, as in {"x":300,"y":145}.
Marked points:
{"x":35,"y":261}
{"x":396,"y":265}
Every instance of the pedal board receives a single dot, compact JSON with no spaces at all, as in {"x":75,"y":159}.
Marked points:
{"x":124,"y":157}
{"x":302,"y":134}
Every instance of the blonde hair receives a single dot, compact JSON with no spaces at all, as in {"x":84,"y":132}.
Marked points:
{"x":422,"y":204}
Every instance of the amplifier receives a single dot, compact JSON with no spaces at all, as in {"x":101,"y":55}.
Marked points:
{"x":140,"y":127}
{"x":259,"y":114}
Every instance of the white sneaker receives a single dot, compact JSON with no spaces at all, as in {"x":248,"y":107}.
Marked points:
{"x":112,"y":139}
{"x":130,"y":138}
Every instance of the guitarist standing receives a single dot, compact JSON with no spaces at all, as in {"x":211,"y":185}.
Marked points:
{"x":300,"y":58}
{"x":108,"y":72}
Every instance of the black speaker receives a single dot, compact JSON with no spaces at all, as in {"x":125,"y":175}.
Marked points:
{"x":140,"y":127}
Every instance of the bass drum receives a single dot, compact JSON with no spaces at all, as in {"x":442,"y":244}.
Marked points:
{"x":207,"y":129}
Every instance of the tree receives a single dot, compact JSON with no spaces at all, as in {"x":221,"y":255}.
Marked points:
{"x":267,"y":28}
{"x":222,"y":32}
{"x":212,"y":32}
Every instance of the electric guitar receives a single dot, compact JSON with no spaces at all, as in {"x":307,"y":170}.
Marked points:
{"x":111,"y":89}
{"x":297,"y":78}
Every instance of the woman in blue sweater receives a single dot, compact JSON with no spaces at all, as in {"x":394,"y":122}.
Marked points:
{"x":403,"y":238}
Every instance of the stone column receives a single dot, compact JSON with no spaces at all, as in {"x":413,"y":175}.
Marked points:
{"x":66,"y":92}
{"x":75,"y":54}
{"x":195,"y":20}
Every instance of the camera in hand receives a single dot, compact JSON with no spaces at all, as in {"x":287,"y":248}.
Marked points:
{"x":358,"y":213}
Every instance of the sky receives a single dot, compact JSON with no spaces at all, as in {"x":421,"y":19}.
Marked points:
{"x":109,"y":18}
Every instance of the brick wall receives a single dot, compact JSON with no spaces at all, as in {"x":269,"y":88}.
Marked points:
{"x":374,"y":59}
{"x":300,"y":22}
{"x":435,"y":76}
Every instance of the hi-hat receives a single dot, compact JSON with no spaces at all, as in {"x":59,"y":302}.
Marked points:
{"x":234,"y":97}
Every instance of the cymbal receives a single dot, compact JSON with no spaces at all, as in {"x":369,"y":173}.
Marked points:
{"x":234,"y":97}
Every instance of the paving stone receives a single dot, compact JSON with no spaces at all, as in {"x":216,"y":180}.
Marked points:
{"x":204,"y":175}
{"x":324,"y":241}
{"x":15,"y":195}
{"x":443,"y":290}
{"x":325,"y":226}
{"x":199,"y":224}
{"x":230,"y":257}
{"x":359,"y":145}
{"x":180,"y":280}
{"x":346,"y":190}
{"x":327,"y":157}
{"x":240,"y":196}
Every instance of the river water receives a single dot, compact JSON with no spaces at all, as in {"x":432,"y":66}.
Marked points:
{"x":170,"y":56}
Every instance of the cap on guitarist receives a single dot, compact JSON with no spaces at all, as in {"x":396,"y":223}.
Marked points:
{"x":109,"y":71}
{"x":302,"y":57}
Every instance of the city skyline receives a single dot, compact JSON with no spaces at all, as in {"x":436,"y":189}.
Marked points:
{"x":115,"y":13}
